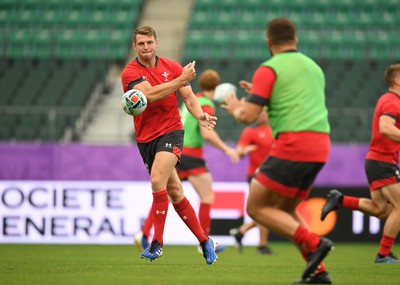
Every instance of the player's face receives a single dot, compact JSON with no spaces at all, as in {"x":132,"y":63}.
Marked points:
{"x":146,"y":47}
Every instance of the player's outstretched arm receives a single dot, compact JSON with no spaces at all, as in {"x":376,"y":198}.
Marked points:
{"x":161,"y":91}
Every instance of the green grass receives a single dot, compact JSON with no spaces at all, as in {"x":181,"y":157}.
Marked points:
{"x":92,"y":264}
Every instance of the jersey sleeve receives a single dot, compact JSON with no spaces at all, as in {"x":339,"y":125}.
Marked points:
{"x":130,"y":77}
{"x":391,"y":109}
{"x":245,"y":137}
{"x":208,"y":109}
{"x":262,"y":83}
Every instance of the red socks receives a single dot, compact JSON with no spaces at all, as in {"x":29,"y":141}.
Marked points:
{"x":304,"y":238}
{"x":159,"y":211}
{"x":386,"y":245}
{"x":188,"y":215}
{"x":350,"y":202}
{"x":148,"y":224}
{"x":204,"y":217}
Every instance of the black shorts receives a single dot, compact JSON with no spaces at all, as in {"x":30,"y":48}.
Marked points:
{"x":288,"y":178}
{"x":170,"y":142}
{"x":380,"y":174}
{"x":191,"y":165}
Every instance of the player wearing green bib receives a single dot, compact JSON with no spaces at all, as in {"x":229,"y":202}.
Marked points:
{"x":292,"y":86}
{"x":193,"y":166}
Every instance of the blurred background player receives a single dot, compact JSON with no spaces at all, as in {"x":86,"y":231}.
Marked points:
{"x":159,"y":134}
{"x":381,"y":167}
{"x":292,"y":86}
{"x":255,"y":141}
{"x":193,"y":166}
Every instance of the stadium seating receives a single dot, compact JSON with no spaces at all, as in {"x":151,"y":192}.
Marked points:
{"x":44,"y":97}
{"x":352,"y":40}
{"x":52,"y":55}
{"x":333,"y":21}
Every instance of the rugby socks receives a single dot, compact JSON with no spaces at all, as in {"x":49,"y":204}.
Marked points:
{"x":159,"y":211}
{"x":204,"y":217}
{"x":148,"y":224}
{"x":304,"y":238}
{"x":188,"y":215}
{"x":350,"y":202}
{"x":386,"y":245}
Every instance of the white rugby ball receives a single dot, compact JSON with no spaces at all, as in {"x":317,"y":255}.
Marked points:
{"x":133,"y":102}
{"x":222,"y":90}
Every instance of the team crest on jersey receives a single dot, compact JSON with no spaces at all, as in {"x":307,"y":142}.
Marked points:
{"x":165,"y":75}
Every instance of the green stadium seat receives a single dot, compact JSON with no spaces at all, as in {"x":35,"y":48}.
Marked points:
{"x":75,"y":18}
{"x":199,"y":20}
{"x":51,"y":18}
{"x":6,"y":18}
{"x":67,"y":43}
{"x":386,"y":20}
{"x":196,"y":38}
{"x":26,"y":18}
{"x":18,"y":44}
{"x":123,"y":19}
{"x":250,"y":46}
{"x":42,"y":44}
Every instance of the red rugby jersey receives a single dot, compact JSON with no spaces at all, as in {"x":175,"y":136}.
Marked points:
{"x":381,"y":148}
{"x":159,"y":117}
{"x":260,"y":136}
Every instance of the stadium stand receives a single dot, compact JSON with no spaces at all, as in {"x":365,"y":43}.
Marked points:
{"x":53,"y":54}
{"x":352,"y":40}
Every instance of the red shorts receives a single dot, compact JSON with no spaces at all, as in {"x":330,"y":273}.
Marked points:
{"x":191,"y":165}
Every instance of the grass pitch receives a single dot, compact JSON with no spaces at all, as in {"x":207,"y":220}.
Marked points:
{"x":182,"y":265}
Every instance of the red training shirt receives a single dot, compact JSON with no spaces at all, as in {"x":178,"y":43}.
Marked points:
{"x":261,"y":137}
{"x":381,"y":148}
{"x":159,"y":117}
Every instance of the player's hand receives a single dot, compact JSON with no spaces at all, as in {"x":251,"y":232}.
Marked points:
{"x":232,"y":154}
{"x":245,"y":85}
{"x":231,"y":103}
{"x":189,"y":72}
{"x":249,"y":148}
{"x":207,"y":121}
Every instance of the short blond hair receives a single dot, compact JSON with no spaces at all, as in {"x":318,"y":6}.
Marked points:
{"x":144,"y":30}
{"x":391,"y":72}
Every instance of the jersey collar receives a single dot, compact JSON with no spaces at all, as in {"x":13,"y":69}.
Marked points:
{"x":137,"y":60}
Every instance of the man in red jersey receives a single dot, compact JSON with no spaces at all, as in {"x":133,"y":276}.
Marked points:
{"x":381,"y":167}
{"x":193,"y":166}
{"x":292,"y":86}
{"x":159,"y":134}
{"x":255,"y":141}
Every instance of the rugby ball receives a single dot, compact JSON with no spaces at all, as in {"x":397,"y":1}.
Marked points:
{"x":133,"y":102}
{"x":222,"y":91}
